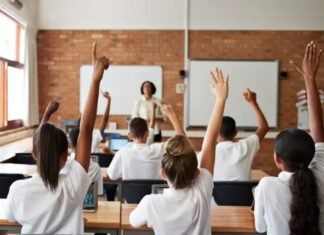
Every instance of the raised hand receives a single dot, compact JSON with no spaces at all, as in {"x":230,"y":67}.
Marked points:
{"x":219,"y":84}
{"x":310,"y":63}
{"x":52,"y":107}
{"x":249,"y":96}
{"x":105,"y":94}
{"x":167,"y":110}
{"x":99,"y":64}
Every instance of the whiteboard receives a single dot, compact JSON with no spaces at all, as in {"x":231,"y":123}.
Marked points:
{"x":123,"y":82}
{"x":260,"y":76}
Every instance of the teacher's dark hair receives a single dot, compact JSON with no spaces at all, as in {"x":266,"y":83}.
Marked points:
{"x":152,"y":87}
{"x":296,"y":148}
{"x":49,"y":144}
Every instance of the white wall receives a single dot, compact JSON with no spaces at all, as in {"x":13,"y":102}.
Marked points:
{"x":111,"y":14}
{"x":28,"y":14}
{"x":170,"y":14}
{"x":257,"y":14}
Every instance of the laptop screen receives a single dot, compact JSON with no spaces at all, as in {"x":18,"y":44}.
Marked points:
{"x":90,"y":199}
{"x":117,"y":143}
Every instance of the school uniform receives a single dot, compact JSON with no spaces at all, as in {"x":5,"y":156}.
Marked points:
{"x":177,"y":211}
{"x":96,"y":139}
{"x":94,"y":172}
{"x":273,"y":198}
{"x":234,"y":159}
{"x":42,"y":211}
{"x":137,"y":161}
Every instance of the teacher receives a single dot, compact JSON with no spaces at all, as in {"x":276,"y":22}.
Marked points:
{"x":143,"y":108}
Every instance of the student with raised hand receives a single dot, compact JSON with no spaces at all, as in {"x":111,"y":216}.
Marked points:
{"x":190,"y":188}
{"x":234,"y":159}
{"x":97,"y":135}
{"x":140,"y":159}
{"x":292,"y":203}
{"x":50,"y":202}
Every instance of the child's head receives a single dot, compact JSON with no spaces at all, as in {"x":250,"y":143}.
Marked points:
{"x":180,"y":163}
{"x":73,"y":137}
{"x":50,"y":148}
{"x":295,"y":148}
{"x":138,"y":128}
{"x":294,"y":151}
{"x":228,"y":128}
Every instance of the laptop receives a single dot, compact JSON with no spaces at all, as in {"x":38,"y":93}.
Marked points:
{"x":90,"y":202}
{"x":117,"y":143}
{"x":158,"y":188}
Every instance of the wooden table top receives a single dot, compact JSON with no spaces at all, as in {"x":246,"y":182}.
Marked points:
{"x":106,"y":216}
{"x":223,"y":219}
{"x":9,"y":150}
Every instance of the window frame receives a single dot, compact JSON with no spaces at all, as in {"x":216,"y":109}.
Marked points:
{"x":5,"y":63}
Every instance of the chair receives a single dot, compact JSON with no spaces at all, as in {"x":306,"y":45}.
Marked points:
{"x":104,"y":159}
{"x":22,"y":158}
{"x":5,"y":182}
{"x":234,"y":193}
{"x":134,"y":190}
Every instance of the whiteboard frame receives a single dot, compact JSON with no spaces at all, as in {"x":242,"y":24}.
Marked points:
{"x":187,"y":125}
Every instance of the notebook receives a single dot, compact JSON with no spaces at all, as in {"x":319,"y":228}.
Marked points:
{"x":90,"y":202}
{"x":117,"y":143}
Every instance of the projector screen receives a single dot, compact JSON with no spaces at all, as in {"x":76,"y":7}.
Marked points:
{"x":260,"y":76}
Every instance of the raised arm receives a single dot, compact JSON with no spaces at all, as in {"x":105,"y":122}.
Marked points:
{"x":106,"y":114}
{"x":90,"y":110}
{"x":263,"y":127}
{"x":51,"y":108}
{"x":168,"y":111}
{"x":152,"y":119}
{"x":220,"y":90}
{"x":308,"y":70}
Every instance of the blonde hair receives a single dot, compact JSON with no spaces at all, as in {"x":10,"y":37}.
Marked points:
{"x":180,"y":162}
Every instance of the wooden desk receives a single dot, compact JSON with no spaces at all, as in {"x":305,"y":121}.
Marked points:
{"x":9,"y":150}
{"x":224,"y":220}
{"x":106,"y":219}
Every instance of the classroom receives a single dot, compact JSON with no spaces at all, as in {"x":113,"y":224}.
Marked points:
{"x":171,"y":56}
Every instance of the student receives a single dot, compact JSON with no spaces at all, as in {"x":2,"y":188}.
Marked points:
{"x":234,"y":159}
{"x":97,"y":135}
{"x":140,"y":159}
{"x":184,"y":208}
{"x":291,"y":202}
{"x":49,"y":202}
{"x":94,"y":171}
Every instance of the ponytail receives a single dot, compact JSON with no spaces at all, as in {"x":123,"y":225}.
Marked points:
{"x":49,"y":144}
{"x":304,"y":208}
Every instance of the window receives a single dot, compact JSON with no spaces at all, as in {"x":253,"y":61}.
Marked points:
{"x":12,"y":56}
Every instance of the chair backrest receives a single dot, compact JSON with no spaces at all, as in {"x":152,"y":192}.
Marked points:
{"x":134,"y":190}
{"x":234,"y":193}
{"x":5,"y":182}
{"x":22,"y":158}
{"x":104,"y":159}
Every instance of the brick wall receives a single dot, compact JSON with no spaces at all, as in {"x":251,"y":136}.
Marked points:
{"x":61,"y":53}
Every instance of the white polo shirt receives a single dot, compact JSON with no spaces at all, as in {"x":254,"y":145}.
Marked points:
{"x":137,"y":161}
{"x":96,"y":139}
{"x":42,"y":211}
{"x":94,"y":172}
{"x":182,"y":211}
{"x":273,"y":198}
{"x":234,"y":159}
{"x":143,"y":108}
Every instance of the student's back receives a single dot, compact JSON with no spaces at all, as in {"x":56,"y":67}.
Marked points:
{"x":234,"y":159}
{"x":179,"y":211}
{"x":42,"y":211}
{"x":137,"y":161}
